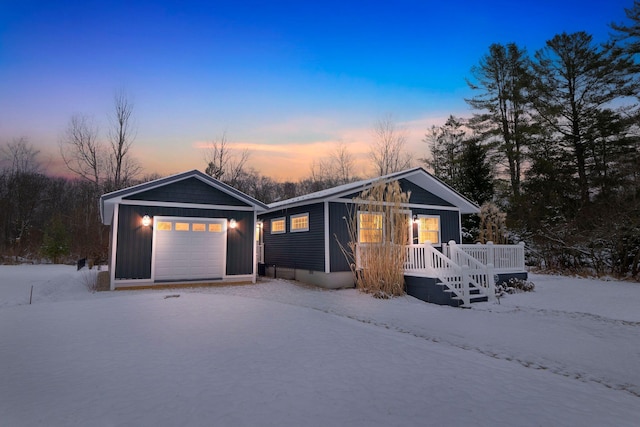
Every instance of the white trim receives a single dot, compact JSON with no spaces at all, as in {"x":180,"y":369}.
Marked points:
{"x":298,"y":230}
{"x":185,"y":205}
{"x":280,"y":218}
{"x":327,"y":252}
{"x":255,"y":247}
{"x":114,"y":245}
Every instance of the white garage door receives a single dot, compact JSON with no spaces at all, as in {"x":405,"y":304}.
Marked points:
{"x":189,"y":248}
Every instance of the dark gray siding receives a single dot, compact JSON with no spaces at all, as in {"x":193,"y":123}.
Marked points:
{"x":449,"y":223}
{"x":133,"y":254}
{"x":420,"y":196}
{"x":303,"y":250}
{"x":339,"y":214}
{"x":190,"y":190}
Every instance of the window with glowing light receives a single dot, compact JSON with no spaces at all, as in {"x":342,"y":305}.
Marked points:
{"x":300,"y":223}
{"x":278,"y":226}
{"x":370,"y":227}
{"x":163,"y":226}
{"x":215,"y":228}
{"x":182,"y":226}
{"x":429,"y":229}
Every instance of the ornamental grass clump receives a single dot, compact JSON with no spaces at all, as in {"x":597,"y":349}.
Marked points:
{"x":378,"y":233}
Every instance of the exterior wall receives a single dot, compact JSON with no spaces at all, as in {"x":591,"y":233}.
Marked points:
{"x":339,"y":214}
{"x":337,"y":280}
{"x":190,"y":190}
{"x":420,"y":196}
{"x":133,"y":253}
{"x":302,"y":250}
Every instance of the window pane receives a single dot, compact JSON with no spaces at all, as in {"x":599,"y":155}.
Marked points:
{"x":163,"y":226}
{"x":215,"y":228}
{"x":198,"y":227}
{"x":182,"y":226}
{"x":429,"y":230}
{"x":300,"y":222}
{"x":370,"y":228}
{"x":277,"y":226}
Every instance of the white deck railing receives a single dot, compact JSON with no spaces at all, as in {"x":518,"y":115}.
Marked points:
{"x":504,"y":258}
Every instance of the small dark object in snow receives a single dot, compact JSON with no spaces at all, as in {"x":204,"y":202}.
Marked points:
{"x":81,"y":263}
{"x":172,"y":296}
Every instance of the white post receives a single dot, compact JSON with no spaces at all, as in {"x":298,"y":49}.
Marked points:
{"x":521,"y":257}
{"x":491,"y":288}
{"x":490,"y":253}
{"x":466,"y":299}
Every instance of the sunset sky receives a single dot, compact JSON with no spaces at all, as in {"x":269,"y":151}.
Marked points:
{"x":288,"y":80}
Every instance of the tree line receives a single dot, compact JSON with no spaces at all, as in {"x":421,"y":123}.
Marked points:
{"x":553,"y":143}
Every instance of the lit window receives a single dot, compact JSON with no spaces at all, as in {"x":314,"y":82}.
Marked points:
{"x":299,"y":222}
{"x":163,"y":226}
{"x":429,"y":229}
{"x":198,"y":227}
{"x":215,"y":228}
{"x":370,"y":227}
{"x":278,"y":226}
{"x":182,"y":226}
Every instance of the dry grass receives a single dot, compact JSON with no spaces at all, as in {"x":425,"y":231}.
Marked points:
{"x":378,"y":264}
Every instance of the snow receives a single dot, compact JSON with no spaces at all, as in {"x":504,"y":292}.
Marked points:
{"x":280,"y":353}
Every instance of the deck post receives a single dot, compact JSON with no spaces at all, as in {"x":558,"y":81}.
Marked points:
{"x":491,"y":283}
{"x":466,"y":298}
{"x":490,"y":253}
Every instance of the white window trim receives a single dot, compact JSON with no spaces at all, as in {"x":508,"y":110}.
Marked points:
{"x":298,"y":230}
{"x":284,"y":219}
{"x":439,"y":228}
{"x":359,"y":227}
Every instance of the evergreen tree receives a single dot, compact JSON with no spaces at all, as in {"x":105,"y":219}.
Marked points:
{"x":56,"y":240}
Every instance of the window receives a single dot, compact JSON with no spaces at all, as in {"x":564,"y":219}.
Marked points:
{"x":278,"y":226}
{"x":300,"y":222}
{"x":429,"y":229}
{"x":182,"y":226}
{"x":163,"y":226}
{"x":215,"y":228}
{"x":370,"y":227}
{"x":198,"y":227}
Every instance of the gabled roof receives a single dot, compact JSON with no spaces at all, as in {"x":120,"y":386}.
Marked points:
{"x":417,"y":175}
{"x":109,"y":200}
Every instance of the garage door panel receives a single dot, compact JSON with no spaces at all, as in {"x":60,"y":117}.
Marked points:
{"x":189,"y":255}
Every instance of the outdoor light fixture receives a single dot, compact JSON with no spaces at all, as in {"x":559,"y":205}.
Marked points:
{"x":233,"y":223}
{"x":415,"y":219}
{"x":146,"y":220}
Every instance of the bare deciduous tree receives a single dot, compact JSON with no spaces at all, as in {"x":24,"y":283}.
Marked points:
{"x":388,"y":149}
{"x":225,"y":163}
{"x":81,"y":151}
{"x":122,"y":167}
{"x":336,"y":169}
{"x":19,"y":157}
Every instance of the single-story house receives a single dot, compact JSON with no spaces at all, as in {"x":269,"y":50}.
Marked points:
{"x":184,"y":228}
{"x":301,"y":238}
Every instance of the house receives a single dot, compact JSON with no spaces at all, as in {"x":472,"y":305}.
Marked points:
{"x":184,"y":228}
{"x":301,"y":238}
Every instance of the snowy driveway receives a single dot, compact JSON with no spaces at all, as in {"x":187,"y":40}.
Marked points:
{"x":277,"y":353}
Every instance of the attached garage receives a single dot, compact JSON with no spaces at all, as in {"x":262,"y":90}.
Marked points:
{"x":184,"y":228}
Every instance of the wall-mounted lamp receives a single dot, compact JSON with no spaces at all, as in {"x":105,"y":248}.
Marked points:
{"x":415,"y":219}
{"x":146,"y":220}
{"x":233,"y":223}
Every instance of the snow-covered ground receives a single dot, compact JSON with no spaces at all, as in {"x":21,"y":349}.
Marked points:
{"x":278,"y":353}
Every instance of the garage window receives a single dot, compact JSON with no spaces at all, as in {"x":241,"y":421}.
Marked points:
{"x":198,"y":227}
{"x":215,"y":228}
{"x":182,"y":226}
{"x":163,"y":226}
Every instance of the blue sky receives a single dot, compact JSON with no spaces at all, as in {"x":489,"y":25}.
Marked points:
{"x":287,"y":80}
